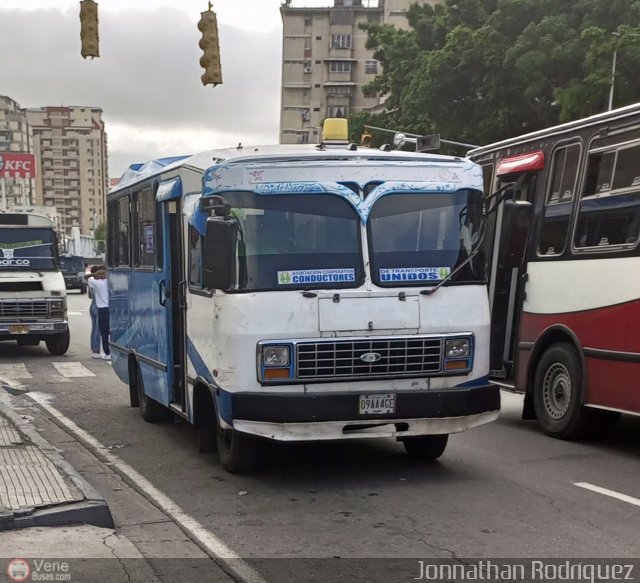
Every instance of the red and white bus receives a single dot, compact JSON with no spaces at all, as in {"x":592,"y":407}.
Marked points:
{"x":565,"y":323}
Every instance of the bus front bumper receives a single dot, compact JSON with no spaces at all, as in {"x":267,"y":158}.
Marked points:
{"x":13,"y":330}
{"x":324,"y":416}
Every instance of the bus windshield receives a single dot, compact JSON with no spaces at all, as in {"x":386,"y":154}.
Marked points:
{"x":418,"y":239}
{"x":296,"y":241}
{"x":27,"y":249}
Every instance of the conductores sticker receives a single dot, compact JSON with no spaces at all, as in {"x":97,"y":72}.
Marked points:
{"x":316,"y":276}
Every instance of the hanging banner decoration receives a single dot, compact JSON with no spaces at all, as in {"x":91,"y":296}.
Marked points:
{"x":13,"y":165}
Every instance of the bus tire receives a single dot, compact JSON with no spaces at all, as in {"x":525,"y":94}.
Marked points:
{"x":558,"y":391}
{"x":426,"y":447}
{"x":237,"y":451}
{"x":151,"y":410}
{"x":58,"y":344}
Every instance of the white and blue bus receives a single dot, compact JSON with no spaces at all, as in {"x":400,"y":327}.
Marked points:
{"x":303,"y":293}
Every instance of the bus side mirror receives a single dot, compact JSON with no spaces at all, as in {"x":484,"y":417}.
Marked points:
{"x":516,"y":224}
{"x":220,"y":253}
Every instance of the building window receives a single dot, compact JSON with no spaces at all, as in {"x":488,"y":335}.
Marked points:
{"x":340,"y":67}
{"x":340,"y":90}
{"x":371,"y":67}
{"x":337,"y":110}
{"x":340,"y":41}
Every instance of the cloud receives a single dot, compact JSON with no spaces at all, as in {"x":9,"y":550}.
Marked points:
{"x":147,"y":80}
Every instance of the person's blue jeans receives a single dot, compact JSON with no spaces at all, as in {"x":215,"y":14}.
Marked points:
{"x":103,"y":325}
{"x":95,"y":329}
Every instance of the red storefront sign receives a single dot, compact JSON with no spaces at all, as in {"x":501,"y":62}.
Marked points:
{"x":17,"y":165}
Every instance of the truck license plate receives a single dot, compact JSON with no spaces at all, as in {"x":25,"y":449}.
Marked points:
{"x":377,"y":404}
{"x":18,"y":329}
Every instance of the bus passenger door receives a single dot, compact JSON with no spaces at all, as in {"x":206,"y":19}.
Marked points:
{"x":507,"y":291}
{"x":173,"y":298}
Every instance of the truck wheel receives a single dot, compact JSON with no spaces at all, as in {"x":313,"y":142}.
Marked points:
{"x":151,"y":410}
{"x":83,"y":290}
{"x":237,"y":451}
{"x":58,"y":344}
{"x":558,"y":390}
{"x":427,"y":447}
{"x":28,"y":341}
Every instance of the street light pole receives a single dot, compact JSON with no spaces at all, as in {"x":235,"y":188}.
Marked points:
{"x":613,"y":71}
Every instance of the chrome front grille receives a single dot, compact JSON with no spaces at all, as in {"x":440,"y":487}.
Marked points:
{"x":23,"y":310}
{"x":342,"y":358}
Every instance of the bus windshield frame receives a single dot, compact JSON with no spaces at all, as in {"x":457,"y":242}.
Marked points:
{"x":28,"y":249}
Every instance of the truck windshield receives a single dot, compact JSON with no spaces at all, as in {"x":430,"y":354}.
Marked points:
{"x":296,"y":241}
{"x":71,"y":264}
{"x":27,"y":249}
{"x":418,"y":239}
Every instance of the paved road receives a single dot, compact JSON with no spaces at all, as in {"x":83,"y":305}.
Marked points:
{"x":503,"y":490}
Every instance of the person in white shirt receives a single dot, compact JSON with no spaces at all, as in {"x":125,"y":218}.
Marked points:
{"x":100,"y":290}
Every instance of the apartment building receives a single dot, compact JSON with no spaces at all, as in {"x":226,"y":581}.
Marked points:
{"x":71,"y":146}
{"x":15,"y":137}
{"x":325,"y":62}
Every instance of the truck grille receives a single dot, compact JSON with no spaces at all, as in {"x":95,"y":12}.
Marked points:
{"x":23,"y":310}
{"x":341,"y":359}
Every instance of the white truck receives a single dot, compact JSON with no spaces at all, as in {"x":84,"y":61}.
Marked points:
{"x":33,"y":305}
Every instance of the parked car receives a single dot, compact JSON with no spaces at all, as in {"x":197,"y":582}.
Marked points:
{"x":72,"y":267}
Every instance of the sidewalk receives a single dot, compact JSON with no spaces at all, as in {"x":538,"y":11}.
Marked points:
{"x":67,"y":516}
{"x":37,"y":486}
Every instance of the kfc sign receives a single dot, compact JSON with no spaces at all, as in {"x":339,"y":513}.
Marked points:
{"x":17,"y":165}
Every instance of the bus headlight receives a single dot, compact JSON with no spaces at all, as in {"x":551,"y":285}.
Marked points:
{"x":275,"y":356}
{"x":456,"y":348}
{"x":56,"y":309}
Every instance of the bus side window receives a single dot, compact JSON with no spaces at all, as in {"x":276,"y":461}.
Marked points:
{"x":559,"y":200}
{"x":119,"y":233}
{"x":195,"y":258}
{"x":610,"y":213}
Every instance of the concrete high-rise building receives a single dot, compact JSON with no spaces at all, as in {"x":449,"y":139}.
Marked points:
{"x":71,"y":146}
{"x":325,"y":63}
{"x":15,"y":137}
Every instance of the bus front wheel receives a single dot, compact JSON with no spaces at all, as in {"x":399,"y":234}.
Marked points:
{"x":236,"y":450}
{"x":425,"y":448}
{"x":558,"y":393}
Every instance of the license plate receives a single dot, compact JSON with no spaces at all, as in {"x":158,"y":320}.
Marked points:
{"x":377,"y":404}
{"x":18,"y":329}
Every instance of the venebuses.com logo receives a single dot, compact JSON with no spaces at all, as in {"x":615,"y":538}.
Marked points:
{"x":18,"y":570}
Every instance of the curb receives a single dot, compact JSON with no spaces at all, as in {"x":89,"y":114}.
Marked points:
{"x":93,"y":510}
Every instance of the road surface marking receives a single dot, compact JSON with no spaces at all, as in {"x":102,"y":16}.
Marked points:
{"x":72,"y":369}
{"x":206,"y":539}
{"x":611,"y":493}
{"x":14,"y":371}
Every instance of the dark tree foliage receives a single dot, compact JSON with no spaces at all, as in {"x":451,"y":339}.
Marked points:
{"x":478,"y":71}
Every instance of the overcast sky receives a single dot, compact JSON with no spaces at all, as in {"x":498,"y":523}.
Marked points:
{"x":147,"y":79}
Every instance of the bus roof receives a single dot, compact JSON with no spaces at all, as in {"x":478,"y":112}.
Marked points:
{"x":24,"y":220}
{"x":278,"y":153}
{"x":596,"y":119}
